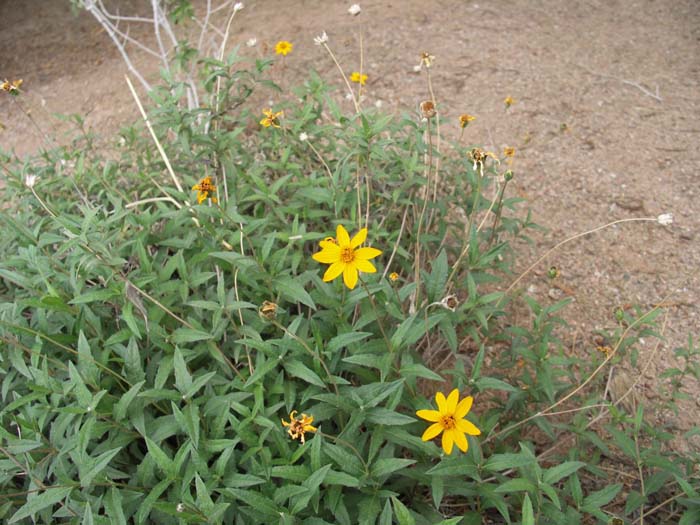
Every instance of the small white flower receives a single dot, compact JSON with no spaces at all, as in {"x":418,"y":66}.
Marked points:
{"x":30,"y":180}
{"x":237,"y":6}
{"x":354,"y":9}
{"x":252,"y":42}
{"x":321,"y":39}
{"x":378,"y":104}
{"x":303,"y":136}
{"x":180,"y":507}
{"x":416,"y":69}
{"x":348,"y":96}
{"x":665,"y":219}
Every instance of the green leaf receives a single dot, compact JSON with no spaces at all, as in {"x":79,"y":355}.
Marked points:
{"x":418,"y":370}
{"x":499,"y":462}
{"x":600,"y":498}
{"x":189,"y":335}
{"x":528,"y":512}
{"x":293,"y":290}
{"x":303,"y":372}
{"x":561,"y":471}
{"x":384,"y":416}
{"x":383,"y":467}
{"x":516,"y":485}
{"x":343,"y":340}
{"x":99,"y":464}
{"x":147,"y":505}
{"x":403,"y":515}
{"x":256,"y":500}
{"x":435,"y":284}
{"x":39,"y":502}
{"x":123,"y":404}
{"x":161,"y":459}
{"x":183,"y":379}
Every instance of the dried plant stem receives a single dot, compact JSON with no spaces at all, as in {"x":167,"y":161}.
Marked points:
{"x":396,"y":244}
{"x":415,"y":298}
{"x":152,"y":199}
{"x":345,"y":78}
{"x":153,"y":135}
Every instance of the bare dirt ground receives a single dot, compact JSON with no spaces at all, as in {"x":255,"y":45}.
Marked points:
{"x":605,"y":122}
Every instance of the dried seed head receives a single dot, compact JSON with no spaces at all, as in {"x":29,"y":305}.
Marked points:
{"x":427,"y":109}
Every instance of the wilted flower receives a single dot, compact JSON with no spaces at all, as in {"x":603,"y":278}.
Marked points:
{"x":665,"y":219}
{"x":271,"y":119}
{"x":426,"y":59}
{"x":465,"y":119}
{"x":203,"y":189}
{"x":30,"y":180}
{"x":355,"y":76}
{"x":479,"y":156}
{"x":354,"y":9}
{"x":449,"y":419}
{"x":283,"y":47}
{"x":298,"y":427}
{"x":345,"y":257}
{"x":427,"y":109}
{"x":11,"y":87}
{"x":237,"y":6}
{"x":321,"y":39}
{"x":509,"y":152}
{"x":252,"y":42}
{"x":268,"y":309}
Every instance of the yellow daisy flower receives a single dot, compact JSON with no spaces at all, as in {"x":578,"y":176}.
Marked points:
{"x":271,"y":119}
{"x":283,"y":48}
{"x":298,"y":427}
{"x":355,"y":76}
{"x":345,"y":256}
{"x":509,"y":101}
{"x":393,"y":276}
{"x":449,"y":419}
{"x":203,"y":189}
{"x":509,"y":152}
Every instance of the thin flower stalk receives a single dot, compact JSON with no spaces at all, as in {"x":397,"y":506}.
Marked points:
{"x":342,"y":74}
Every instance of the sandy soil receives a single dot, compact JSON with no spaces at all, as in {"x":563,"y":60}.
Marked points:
{"x":605,"y":121}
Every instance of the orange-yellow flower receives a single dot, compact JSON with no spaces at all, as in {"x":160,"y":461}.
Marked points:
{"x":346,"y":257}
{"x":11,"y":87}
{"x":299,"y":426}
{"x":393,"y":276}
{"x":283,"y":47}
{"x":203,"y":189}
{"x":509,"y":101}
{"x":509,"y":152}
{"x":465,"y":119}
{"x":449,"y":419}
{"x":271,"y":118}
{"x":355,"y":76}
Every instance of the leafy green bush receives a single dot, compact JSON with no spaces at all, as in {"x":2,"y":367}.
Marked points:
{"x":177,"y":355}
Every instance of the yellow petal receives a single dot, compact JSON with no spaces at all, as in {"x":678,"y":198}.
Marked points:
{"x":359,"y":238}
{"x":461,"y":441}
{"x":265,"y":122}
{"x":432,"y":431}
{"x":333,"y":271}
{"x":365,"y":266}
{"x":342,"y":235}
{"x":367,"y":253}
{"x":463,"y":407}
{"x":441,"y":403}
{"x":452,"y":401}
{"x":448,"y":440}
{"x":329,"y":255}
{"x":468,"y":427}
{"x":429,"y":415}
{"x":309,"y":428}
{"x":350,"y":276}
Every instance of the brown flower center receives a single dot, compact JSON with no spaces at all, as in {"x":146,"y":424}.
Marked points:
{"x":448,"y":422}
{"x":347,"y":254}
